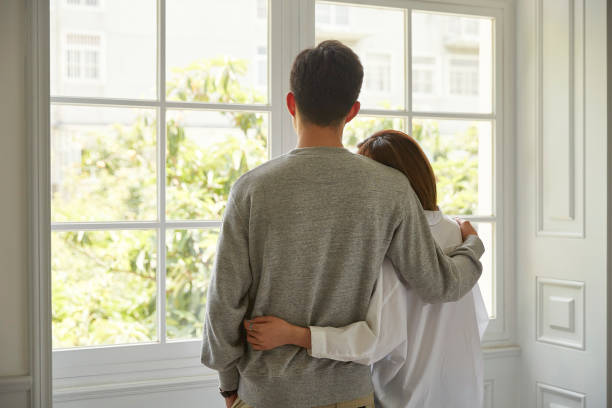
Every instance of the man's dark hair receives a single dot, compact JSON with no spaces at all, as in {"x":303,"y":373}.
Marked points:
{"x":326,"y":81}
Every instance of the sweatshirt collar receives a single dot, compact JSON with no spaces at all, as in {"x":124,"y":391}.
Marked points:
{"x":319,"y":150}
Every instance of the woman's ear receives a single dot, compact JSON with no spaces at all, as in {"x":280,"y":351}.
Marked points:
{"x":291,"y":103}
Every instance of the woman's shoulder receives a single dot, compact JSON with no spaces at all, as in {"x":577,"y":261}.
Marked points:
{"x":446,"y":232}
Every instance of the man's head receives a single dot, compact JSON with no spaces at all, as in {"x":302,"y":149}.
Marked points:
{"x":325,"y":84}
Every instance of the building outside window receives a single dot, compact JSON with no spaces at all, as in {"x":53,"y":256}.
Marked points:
{"x":463,"y":76}
{"x":378,"y":72}
{"x":82,"y":57}
{"x":423,"y":75}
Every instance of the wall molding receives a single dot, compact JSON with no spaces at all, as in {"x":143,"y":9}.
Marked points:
{"x":491,"y":353}
{"x":134,"y":388}
{"x":571,"y":224}
{"x":18,"y":383}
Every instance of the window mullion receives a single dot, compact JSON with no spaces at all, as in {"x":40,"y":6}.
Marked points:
{"x":408,"y":61}
{"x":161,"y":166}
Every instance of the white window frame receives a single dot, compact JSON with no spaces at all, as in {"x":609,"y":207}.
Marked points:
{"x":95,"y":371}
{"x":500,"y":330}
{"x":64,"y":46}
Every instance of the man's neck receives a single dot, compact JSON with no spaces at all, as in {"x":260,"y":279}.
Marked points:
{"x":316,"y":136}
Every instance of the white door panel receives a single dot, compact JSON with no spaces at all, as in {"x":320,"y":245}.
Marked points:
{"x":561,"y":202}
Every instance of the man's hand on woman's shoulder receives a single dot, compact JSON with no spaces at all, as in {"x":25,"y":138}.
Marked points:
{"x":466,"y":227}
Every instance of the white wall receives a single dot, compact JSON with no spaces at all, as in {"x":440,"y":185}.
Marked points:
{"x":13,"y":205}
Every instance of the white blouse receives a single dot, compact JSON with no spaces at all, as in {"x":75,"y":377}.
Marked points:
{"x":422,"y":355}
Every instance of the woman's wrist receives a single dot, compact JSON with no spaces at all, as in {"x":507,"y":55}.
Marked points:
{"x":301,"y":337}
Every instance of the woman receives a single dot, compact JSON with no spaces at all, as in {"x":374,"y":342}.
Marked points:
{"x":422,"y":355}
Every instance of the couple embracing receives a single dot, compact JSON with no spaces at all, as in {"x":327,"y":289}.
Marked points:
{"x":333,"y":268}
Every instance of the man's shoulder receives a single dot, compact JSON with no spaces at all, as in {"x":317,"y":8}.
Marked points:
{"x":370,"y":173}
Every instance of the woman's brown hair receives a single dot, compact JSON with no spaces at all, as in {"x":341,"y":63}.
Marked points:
{"x":398,"y":150}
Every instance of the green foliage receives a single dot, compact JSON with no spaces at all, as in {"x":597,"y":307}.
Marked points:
{"x":454,"y":159}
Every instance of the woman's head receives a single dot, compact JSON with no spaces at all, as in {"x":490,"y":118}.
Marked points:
{"x":400,"y":151}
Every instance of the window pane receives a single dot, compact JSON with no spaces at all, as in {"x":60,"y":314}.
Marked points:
{"x":103,"y":286}
{"x":461,"y":154}
{"x":452,"y":63}
{"x":102,"y":164}
{"x":377,"y":36}
{"x":190,"y":257}
{"x":206,"y":153}
{"x":209,"y":57}
{"x":487,"y":279}
{"x":363,"y":127}
{"x":105,"y":51}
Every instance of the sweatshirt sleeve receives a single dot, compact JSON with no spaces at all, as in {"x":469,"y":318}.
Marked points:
{"x":227,"y":301}
{"x":366,"y":342}
{"x":435,"y":276}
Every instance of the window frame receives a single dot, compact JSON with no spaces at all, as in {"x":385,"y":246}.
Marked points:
{"x":66,"y":369}
{"x":500,"y":329}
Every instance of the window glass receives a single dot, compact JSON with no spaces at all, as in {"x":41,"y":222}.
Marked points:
{"x":462,"y":47}
{"x":105,"y":51}
{"x":103,"y":164}
{"x":206,"y":153}
{"x":461,"y":155}
{"x":210,"y":59}
{"x":103,"y":287}
{"x":190,"y":257}
{"x":486,"y":232}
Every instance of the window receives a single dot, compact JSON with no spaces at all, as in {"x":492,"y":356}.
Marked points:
{"x":378,"y":72}
{"x":141,"y":168}
{"x":82,"y":57}
{"x":151,"y":123}
{"x":451,"y":111}
{"x":463,"y":78}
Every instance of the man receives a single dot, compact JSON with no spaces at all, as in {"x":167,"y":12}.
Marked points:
{"x":304,"y":237}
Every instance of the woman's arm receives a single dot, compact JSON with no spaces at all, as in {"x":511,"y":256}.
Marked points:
{"x":363,"y":342}
{"x":268,"y":332}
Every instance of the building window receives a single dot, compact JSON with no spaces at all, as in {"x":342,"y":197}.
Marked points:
{"x":83,"y":3}
{"x":423,"y":75}
{"x":262,"y":66}
{"x":378,"y":72}
{"x":463,"y":76}
{"x":262,"y":9}
{"x":82,"y":57}
{"x":332,"y":14}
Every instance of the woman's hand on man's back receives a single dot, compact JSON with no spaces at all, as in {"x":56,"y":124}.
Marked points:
{"x":466,"y":227}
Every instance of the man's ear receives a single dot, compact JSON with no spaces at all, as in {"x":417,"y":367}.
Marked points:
{"x":353,"y":112}
{"x":291,"y":103}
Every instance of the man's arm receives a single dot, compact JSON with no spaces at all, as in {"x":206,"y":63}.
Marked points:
{"x":435,"y":276}
{"x":227,"y":301}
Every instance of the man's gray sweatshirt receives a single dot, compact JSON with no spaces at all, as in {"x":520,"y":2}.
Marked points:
{"x":303,"y":238}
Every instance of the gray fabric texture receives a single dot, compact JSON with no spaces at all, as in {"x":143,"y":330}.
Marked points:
{"x":303,"y":238}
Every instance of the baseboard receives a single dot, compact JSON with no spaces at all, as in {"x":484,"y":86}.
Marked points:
{"x":16,"y":383}
{"x":134,"y":388}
